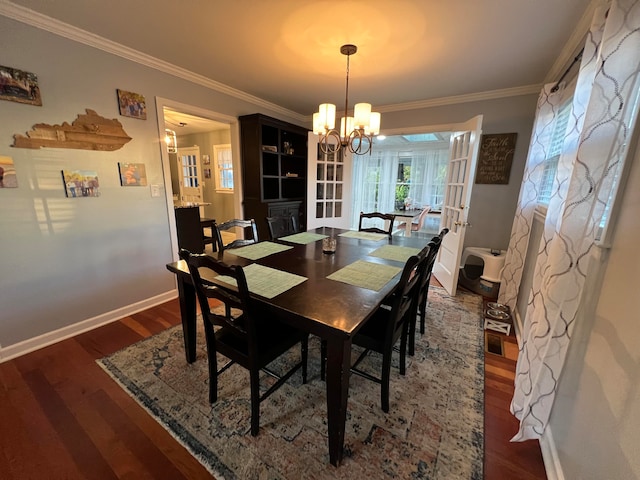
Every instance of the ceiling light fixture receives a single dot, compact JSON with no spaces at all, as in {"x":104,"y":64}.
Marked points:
{"x":357,"y":132}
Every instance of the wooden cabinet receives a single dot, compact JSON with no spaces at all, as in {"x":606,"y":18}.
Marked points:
{"x":274,"y":169}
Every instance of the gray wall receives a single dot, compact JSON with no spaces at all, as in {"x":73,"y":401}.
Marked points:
{"x":492,"y":206}
{"x":64,"y":261}
{"x":596,"y":416}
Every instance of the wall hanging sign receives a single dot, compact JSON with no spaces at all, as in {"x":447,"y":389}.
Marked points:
{"x":81,"y":183}
{"x":495,"y":158}
{"x":7,"y":173}
{"x":87,"y":132}
{"x":132,"y":104}
{"x":19,"y":86}
{"x":132,"y":174}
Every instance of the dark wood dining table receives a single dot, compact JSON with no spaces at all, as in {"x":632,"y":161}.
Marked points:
{"x":332,"y":310}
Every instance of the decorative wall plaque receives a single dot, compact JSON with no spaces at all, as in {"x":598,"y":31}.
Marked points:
{"x":87,"y":132}
{"x":495,"y":158}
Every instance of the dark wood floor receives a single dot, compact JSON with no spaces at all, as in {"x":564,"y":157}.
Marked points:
{"x":62,"y":417}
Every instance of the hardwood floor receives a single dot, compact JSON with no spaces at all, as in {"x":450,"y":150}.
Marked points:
{"x":62,"y":417}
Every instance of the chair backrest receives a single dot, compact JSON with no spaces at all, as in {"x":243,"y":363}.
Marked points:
{"x":380,"y":216}
{"x":203,"y":269}
{"x":421,"y":219}
{"x":404,"y":301}
{"x":248,"y":226}
{"x":282,"y":226}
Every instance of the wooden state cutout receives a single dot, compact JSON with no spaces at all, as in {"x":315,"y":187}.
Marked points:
{"x":87,"y":132}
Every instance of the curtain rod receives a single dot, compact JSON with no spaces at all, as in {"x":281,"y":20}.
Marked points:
{"x":575,"y":60}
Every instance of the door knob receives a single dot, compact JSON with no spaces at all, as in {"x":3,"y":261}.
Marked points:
{"x":462,"y":224}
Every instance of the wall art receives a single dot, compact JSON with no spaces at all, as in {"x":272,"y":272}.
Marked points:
{"x":132,"y":174}
{"x":132,"y":104}
{"x":7,"y":173}
{"x":87,"y":132}
{"x":19,"y":86}
{"x":495,"y":158}
{"x":81,"y":183}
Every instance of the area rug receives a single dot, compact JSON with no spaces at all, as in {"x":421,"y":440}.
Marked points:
{"x":434,"y":429}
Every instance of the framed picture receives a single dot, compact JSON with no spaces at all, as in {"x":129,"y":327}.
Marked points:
{"x":132,"y":174}
{"x":132,"y":105}
{"x":206,"y":160}
{"x":207,"y":173}
{"x":7,"y":173}
{"x":19,"y":86}
{"x":81,"y":183}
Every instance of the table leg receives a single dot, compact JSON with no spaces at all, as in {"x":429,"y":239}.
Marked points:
{"x":407,"y":227}
{"x":187,"y":295}
{"x":338,"y":365}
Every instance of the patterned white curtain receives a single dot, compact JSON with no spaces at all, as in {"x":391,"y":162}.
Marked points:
{"x":604,"y":112}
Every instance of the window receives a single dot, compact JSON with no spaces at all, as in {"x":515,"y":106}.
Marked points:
{"x":223,"y":168}
{"x":550,"y":164}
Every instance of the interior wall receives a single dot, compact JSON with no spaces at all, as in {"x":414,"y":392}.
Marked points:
{"x":595,"y":417}
{"x":492,"y":206}
{"x":65,"y":261}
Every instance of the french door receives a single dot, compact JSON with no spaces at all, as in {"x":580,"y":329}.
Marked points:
{"x":463,"y":155}
{"x":328,"y":186}
{"x":189,"y":174}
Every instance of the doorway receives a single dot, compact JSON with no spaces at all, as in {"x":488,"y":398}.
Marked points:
{"x":206,"y":130}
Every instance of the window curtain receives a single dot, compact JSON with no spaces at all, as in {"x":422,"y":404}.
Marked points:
{"x":604,"y":112}
{"x":375,"y":177}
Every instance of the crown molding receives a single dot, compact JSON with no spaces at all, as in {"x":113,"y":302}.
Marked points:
{"x":471,"y":97}
{"x":43,"y":22}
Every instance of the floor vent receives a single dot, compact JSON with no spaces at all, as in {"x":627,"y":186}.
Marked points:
{"x":493,"y":344}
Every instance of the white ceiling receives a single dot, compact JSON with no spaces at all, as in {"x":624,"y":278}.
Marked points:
{"x":288,"y":52}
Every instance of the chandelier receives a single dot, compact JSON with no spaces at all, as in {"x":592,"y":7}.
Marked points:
{"x":356,"y":133}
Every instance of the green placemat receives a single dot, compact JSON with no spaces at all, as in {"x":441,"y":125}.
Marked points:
{"x":259,"y":250}
{"x":265,"y":281}
{"x":363,"y":274}
{"x":364,"y":235}
{"x":303,"y":238}
{"x":395,"y":252}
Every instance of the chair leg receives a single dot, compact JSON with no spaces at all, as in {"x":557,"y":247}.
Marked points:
{"x":384,"y":384}
{"x":403,"y":348}
{"x":305,"y":354}
{"x":255,"y":401}
{"x":323,"y":358}
{"x":412,"y":335}
{"x":212,"y":363}
{"x":423,"y":311}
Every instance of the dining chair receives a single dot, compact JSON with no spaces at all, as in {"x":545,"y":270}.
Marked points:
{"x":424,"y":292}
{"x":246,"y":334}
{"x":385,"y":217}
{"x":248,"y":226}
{"x":417,"y":225}
{"x":383,"y":329}
{"x":281,"y":226}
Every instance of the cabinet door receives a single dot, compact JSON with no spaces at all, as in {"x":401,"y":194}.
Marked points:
{"x":329,"y":186}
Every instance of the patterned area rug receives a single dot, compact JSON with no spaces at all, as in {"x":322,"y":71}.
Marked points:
{"x":434,"y":429}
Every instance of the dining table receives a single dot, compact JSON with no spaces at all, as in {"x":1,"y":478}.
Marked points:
{"x":332,"y":296}
{"x":407,"y":217}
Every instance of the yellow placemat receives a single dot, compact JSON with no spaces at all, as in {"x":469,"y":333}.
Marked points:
{"x":259,"y":250}
{"x":395,"y":252}
{"x":265,"y":281}
{"x":364,"y":235}
{"x":303,"y":238}
{"x":363,"y":274}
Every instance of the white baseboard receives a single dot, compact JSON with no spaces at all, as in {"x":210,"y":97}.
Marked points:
{"x":49,"y":338}
{"x":550,"y":456}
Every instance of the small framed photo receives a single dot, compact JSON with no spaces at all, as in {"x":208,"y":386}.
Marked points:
{"x":132,"y":174}
{"x":7,"y":173}
{"x":81,"y":183}
{"x":206,"y":160}
{"x":207,"y":173}
{"x":132,"y":104}
{"x":19,"y":86}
